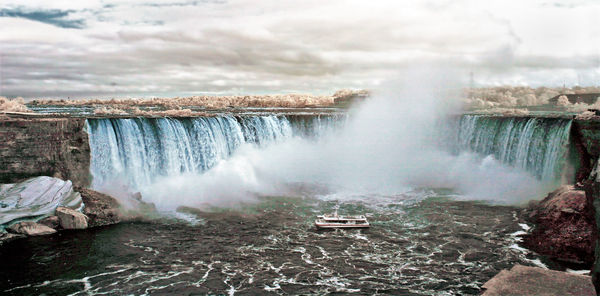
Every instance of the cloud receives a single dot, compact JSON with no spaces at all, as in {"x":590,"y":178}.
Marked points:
{"x":59,"y":18}
{"x":157,"y":48}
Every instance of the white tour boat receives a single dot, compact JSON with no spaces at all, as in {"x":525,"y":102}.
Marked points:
{"x":336,"y":221}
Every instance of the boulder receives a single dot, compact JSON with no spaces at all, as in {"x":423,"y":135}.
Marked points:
{"x":101,"y":209}
{"x":30,"y":228}
{"x":50,"y":221}
{"x":563,"y":227}
{"x":526,"y":280}
{"x":71,"y":219}
{"x":137,"y":196}
{"x":35,"y":197}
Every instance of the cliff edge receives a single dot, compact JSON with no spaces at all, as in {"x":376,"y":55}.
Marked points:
{"x":40,"y":146}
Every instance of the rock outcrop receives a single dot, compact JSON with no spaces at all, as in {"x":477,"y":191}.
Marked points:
{"x":54,"y":200}
{"x":592,"y":191}
{"x":36,"y":146}
{"x":564,"y":228}
{"x":525,"y":280}
{"x":38,"y":196}
{"x":101,"y":209}
{"x":30,"y":228}
{"x":51,"y":221}
{"x":71,"y":219}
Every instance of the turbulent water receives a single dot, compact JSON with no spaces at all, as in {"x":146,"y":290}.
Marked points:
{"x":538,"y":145}
{"x":422,"y":241}
{"x":419,"y":244}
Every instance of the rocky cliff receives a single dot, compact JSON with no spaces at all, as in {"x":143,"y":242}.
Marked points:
{"x":563,"y":227}
{"x":33,"y":146}
{"x":586,"y":136}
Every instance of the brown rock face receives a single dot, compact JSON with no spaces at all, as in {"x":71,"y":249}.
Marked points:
{"x":103,"y":209}
{"x":71,"y":219}
{"x":32,"y":147}
{"x":563,"y":228}
{"x":30,"y":228}
{"x":100,"y":208}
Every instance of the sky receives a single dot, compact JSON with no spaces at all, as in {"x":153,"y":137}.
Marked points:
{"x":74,"y":49}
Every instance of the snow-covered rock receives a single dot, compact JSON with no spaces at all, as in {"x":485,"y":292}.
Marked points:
{"x":35,"y":197}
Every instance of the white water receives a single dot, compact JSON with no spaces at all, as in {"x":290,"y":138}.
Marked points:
{"x":139,"y":149}
{"x":538,"y":145}
{"x":389,"y":146}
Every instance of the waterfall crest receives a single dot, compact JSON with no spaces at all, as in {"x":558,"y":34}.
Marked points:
{"x":538,"y":145}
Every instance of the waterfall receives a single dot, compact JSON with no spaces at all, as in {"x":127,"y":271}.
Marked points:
{"x":313,"y":126}
{"x":538,"y":145}
{"x":137,"y":150}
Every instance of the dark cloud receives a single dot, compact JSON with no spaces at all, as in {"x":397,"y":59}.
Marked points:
{"x":59,"y":18}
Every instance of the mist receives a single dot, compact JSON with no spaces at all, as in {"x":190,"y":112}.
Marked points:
{"x":391,"y":144}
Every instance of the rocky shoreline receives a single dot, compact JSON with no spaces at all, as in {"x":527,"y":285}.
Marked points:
{"x":44,"y":205}
{"x":563,"y":228}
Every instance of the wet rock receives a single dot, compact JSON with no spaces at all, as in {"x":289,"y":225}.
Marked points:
{"x":137,"y":196}
{"x":30,"y":228}
{"x":36,"y":197}
{"x":51,"y":221}
{"x":6,"y":237}
{"x":136,"y":209}
{"x":525,"y":280}
{"x":563,"y":227}
{"x":103,"y":209}
{"x":71,"y":219}
{"x":592,"y":190}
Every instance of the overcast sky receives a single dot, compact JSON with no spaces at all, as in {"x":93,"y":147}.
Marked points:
{"x":178,"y":48}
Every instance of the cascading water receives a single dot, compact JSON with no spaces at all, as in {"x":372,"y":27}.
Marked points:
{"x":538,"y":145}
{"x":278,"y":173}
{"x":137,"y":150}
